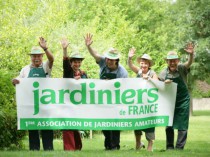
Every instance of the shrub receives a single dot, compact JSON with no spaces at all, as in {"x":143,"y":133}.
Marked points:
{"x":10,"y":137}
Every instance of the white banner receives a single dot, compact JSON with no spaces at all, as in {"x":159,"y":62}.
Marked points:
{"x":93,"y":104}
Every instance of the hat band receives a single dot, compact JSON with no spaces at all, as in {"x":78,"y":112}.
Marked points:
{"x":112,"y":55}
{"x":36,"y":51}
{"x":172,"y":57}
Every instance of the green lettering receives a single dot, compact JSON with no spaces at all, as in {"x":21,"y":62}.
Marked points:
{"x":153,"y":95}
{"x":128,"y":94}
{"x":62,"y":92}
{"x":117,"y":92}
{"x":156,"y":106}
{"x":151,"y":106}
{"x":141,"y":110}
{"x":92,"y":93}
{"x":101,"y":97}
{"x":36,"y":98}
{"x":133,"y":110}
{"x":147,"y":109}
{"x":49,"y":97}
{"x":140,"y":95}
{"x":82,"y":94}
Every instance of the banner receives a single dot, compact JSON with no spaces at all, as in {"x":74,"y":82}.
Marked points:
{"x":93,"y":104}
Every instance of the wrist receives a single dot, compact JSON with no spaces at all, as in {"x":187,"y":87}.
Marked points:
{"x":45,"y":49}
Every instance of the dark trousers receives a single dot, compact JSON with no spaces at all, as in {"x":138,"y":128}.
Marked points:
{"x":112,"y":139}
{"x":181,"y":138}
{"x":47,"y":139}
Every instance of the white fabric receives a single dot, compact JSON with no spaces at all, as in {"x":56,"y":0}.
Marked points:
{"x":25,"y":71}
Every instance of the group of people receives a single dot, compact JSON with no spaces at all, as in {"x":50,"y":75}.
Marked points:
{"x":110,"y":68}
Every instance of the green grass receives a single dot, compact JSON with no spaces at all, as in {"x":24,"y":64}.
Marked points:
{"x":198,"y":144}
{"x":201,"y":113}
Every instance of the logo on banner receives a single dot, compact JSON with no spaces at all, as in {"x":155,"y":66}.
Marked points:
{"x":98,"y":96}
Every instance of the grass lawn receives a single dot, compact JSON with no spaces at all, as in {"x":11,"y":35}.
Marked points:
{"x":198,"y":143}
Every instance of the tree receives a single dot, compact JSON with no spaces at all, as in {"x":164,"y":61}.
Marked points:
{"x":10,"y":137}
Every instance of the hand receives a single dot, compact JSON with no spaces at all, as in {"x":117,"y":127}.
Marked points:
{"x":15,"y":81}
{"x":88,"y":39}
{"x":64,"y":43}
{"x":77,"y":77}
{"x":145,"y":77}
{"x":131,"y":52}
{"x":43,"y":43}
{"x":190,"y":48}
{"x":168,"y":81}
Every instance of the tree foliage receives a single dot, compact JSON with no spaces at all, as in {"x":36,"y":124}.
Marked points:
{"x":196,"y":17}
{"x":113,"y":24}
{"x":9,"y":136}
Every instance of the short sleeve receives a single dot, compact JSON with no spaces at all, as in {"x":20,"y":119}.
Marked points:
{"x":182,"y":69}
{"x":24,"y":72}
{"x":162,"y":75}
{"x":122,"y":72}
{"x":47,"y":68}
{"x":102,"y":62}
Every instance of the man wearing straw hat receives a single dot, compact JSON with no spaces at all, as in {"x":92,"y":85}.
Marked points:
{"x":177,"y":73}
{"x":41,"y":69}
{"x":109,"y":69}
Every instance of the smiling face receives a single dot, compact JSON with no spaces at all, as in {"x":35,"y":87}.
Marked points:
{"x":112,"y":64}
{"x":172,"y":64}
{"x":36,"y":60}
{"x":144,"y":65}
{"x":76,"y":64}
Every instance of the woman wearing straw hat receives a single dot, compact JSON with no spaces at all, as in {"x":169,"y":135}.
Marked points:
{"x":71,"y":69}
{"x":143,"y":71}
{"x":178,"y":73}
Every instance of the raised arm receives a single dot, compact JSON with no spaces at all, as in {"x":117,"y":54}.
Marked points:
{"x":189,"y":49}
{"x":64,"y":44}
{"x":131,"y":53}
{"x":43,"y":45}
{"x":88,"y":42}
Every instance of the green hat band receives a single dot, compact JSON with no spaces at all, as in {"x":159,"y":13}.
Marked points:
{"x":172,"y":57}
{"x":77,"y":55}
{"x":112,"y":54}
{"x":37,"y":51}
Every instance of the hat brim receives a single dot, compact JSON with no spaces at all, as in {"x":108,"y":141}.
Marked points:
{"x":151,"y":63}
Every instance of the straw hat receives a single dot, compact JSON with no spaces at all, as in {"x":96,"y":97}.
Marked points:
{"x":146,"y":57}
{"x":112,"y":54}
{"x":76,"y":55}
{"x":172,"y":55}
{"x":36,"y":50}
